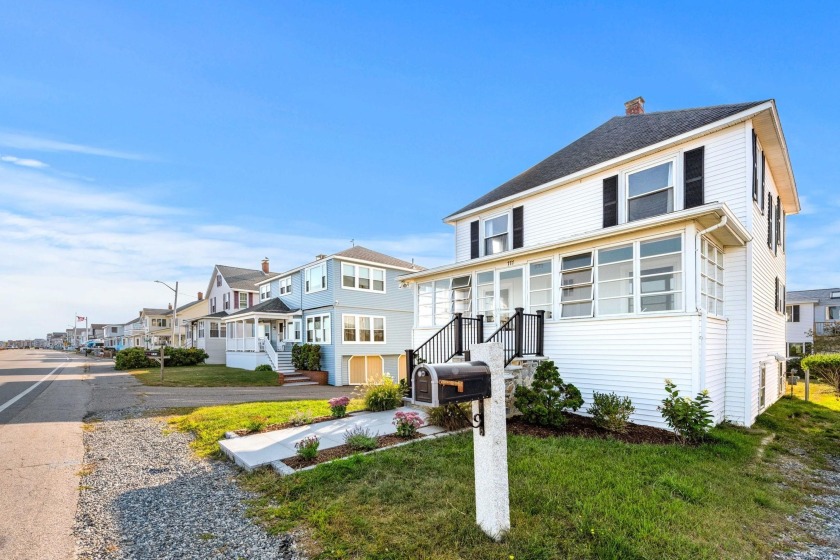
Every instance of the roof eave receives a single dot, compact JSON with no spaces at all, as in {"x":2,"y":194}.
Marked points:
{"x":690,"y":135}
{"x":719,"y":209}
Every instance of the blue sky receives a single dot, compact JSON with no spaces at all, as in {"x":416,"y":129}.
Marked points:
{"x":143,"y":141}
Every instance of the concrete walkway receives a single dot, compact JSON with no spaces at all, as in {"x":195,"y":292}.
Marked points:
{"x":261,"y":449}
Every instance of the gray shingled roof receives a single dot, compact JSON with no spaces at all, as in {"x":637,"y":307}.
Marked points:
{"x":242,"y":278}
{"x":365,"y":254}
{"x":273,"y":305}
{"x":153,"y":311}
{"x":616,"y":137}
{"x":823,"y":297}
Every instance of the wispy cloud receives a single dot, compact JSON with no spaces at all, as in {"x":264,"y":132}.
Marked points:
{"x":23,"y":141}
{"x":65,"y":252}
{"x":23,"y":162}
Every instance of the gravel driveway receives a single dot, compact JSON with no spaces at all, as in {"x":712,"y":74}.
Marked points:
{"x":146,"y":496}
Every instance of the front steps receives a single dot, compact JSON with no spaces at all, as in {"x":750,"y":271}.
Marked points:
{"x":290,"y":376}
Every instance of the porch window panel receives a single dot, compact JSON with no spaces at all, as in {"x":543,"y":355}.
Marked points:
{"x":462,"y":295}
{"x":486,"y":295}
{"x":540,"y":288}
{"x":442,"y":301}
{"x":425,"y":304}
{"x":579,"y":309}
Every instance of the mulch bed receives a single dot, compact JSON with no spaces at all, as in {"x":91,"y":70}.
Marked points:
{"x":583,"y":426}
{"x":298,"y":462}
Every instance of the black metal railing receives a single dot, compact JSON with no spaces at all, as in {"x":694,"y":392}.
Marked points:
{"x":829,"y":328}
{"x":521,"y":335}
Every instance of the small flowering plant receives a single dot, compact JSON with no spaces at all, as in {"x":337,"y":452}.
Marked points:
{"x":338,"y":406}
{"x":308,"y":447}
{"x":407,"y":423}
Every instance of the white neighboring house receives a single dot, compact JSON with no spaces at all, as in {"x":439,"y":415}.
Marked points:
{"x":811,"y":313}
{"x":655,"y":247}
{"x":230,"y":289}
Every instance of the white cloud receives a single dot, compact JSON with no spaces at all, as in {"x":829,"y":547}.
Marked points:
{"x":22,"y":141}
{"x":65,"y":252}
{"x":34,"y":163}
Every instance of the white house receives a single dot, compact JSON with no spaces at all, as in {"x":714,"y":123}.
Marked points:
{"x":654,"y":248}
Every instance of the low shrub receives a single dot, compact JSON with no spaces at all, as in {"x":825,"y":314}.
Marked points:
{"x":256,"y":423}
{"x":360,"y":439}
{"x":824,"y":366}
{"x":383,"y":396}
{"x":181,"y":357}
{"x":338,"y":406}
{"x":611,"y":412}
{"x":301,"y":418}
{"x":263,"y":367}
{"x":448,"y":416}
{"x":690,"y":419}
{"x":306,"y":357}
{"x":133,"y":358}
{"x":545,"y":400}
{"x":407,"y":423}
{"x":308,"y":447}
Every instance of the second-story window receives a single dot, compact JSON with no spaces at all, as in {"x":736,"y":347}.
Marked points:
{"x":316,"y":278}
{"x":218,"y":280}
{"x":356,"y":277}
{"x":650,"y":192}
{"x":286,"y":285}
{"x":792,"y":312}
{"x":265,"y":292}
{"x":243,"y":300}
{"x":496,"y":234}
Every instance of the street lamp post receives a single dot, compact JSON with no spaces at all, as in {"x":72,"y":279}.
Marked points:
{"x":175,"y":341}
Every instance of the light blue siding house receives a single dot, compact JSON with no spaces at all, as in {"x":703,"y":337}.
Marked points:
{"x":350,"y":303}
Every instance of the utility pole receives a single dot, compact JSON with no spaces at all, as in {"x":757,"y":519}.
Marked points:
{"x":175,"y":342}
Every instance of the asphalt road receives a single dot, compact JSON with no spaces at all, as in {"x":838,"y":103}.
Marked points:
{"x":44,"y":397}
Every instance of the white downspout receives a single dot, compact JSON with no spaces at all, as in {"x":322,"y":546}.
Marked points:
{"x":697,"y":295}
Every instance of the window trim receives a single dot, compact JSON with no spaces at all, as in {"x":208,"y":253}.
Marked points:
{"x":284,"y":286}
{"x":509,"y":232}
{"x":762,"y":386}
{"x":560,"y":271}
{"x":676,"y":176}
{"x":702,"y":277}
{"x":265,"y":292}
{"x":324,"y":278}
{"x":356,"y":317}
{"x":327,"y":332}
{"x":549,"y":315}
{"x":355,"y":286}
{"x":246,"y":306}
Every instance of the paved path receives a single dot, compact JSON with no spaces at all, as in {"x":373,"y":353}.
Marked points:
{"x":44,"y":396}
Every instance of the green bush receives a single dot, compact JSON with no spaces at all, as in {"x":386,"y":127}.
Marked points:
{"x":306,"y":357}
{"x":611,"y":412}
{"x":180,"y":357}
{"x":824,"y":366}
{"x":545,"y":400}
{"x":448,"y":416}
{"x":256,"y":423}
{"x":360,"y":439}
{"x":263,"y":367}
{"x":133,"y":358}
{"x":690,"y":419}
{"x":384,"y":396}
{"x":308,"y":447}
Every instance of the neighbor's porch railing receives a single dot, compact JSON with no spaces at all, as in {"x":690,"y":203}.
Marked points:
{"x":272,"y":354}
{"x":828,"y":328}
{"x":240,"y":344}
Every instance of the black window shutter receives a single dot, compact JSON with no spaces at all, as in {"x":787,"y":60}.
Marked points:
{"x":778,"y":224}
{"x":755,"y":167}
{"x":693,"y":173}
{"x":611,"y":201}
{"x":784,"y":231}
{"x":474,"y":240}
{"x":777,"y":293}
{"x":763,"y":180}
{"x":518,"y":227}
{"x":770,"y":220}
{"x":795,"y":313}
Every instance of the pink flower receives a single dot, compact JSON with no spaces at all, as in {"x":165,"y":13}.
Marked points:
{"x":339,"y":401}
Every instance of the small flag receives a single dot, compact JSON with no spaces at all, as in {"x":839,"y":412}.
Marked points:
{"x":80,"y":319}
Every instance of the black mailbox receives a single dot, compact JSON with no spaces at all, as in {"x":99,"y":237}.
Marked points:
{"x":439,"y":384}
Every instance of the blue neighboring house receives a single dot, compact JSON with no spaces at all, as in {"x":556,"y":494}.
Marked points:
{"x":350,"y":303}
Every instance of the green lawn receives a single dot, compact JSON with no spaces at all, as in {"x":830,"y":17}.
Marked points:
{"x":204,"y":375}
{"x":570,"y":497}
{"x":210,"y":423}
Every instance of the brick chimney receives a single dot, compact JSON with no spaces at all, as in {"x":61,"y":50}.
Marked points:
{"x":265,"y":265}
{"x":635,"y":106}
{"x":200,"y":296}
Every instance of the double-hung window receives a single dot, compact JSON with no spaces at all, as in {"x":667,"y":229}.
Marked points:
{"x":496,"y":234}
{"x":225,"y":301}
{"x":214,"y":329}
{"x":832,"y":313}
{"x":265,"y":292}
{"x":615,"y":280}
{"x":792,"y":313}
{"x":486,"y":295}
{"x":711,"y":278}
{"x":363,"y":329}
{"x":576,"y":285}
{"x":539,"y":287}
{"x":201,"y":329}
{"x":650,"y":192}
{"x":660,"y":274}
{"x":359,"y":277}
{"x":316,"y":278}
{"x":318,"y":329}
{"x":442,"y":303}
{"x":462,"y":295}
{"x":285,"y":285}
{"x":243,"y":300}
